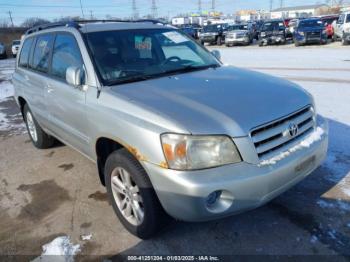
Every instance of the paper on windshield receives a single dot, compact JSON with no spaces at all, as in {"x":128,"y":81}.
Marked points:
{"x":175,"y":37}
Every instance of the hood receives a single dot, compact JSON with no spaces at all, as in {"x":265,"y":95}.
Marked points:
{"x":238,"y":31}
{"x":311,"y":29}
{"x":225,"y":100}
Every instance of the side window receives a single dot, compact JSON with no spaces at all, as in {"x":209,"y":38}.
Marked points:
{"x":24,"y":56}
{"x":41,"y":54}
{"x":348,"y":18}
{"x":66,"y":53}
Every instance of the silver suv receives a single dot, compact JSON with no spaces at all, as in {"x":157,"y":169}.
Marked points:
{"x":172,"y":130}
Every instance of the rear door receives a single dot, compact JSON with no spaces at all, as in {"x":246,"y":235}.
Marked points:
{"x":65,"y":103}
{"x":36,"y":77}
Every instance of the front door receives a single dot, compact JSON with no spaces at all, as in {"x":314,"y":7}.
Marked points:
{"x":66,"y":103}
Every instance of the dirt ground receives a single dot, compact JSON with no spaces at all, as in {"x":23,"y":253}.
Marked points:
{"x":56,"y":192}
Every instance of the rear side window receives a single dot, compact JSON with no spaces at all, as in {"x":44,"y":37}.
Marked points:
{"x":24,"y":56}
{"x":66,"y":53}
{"x":41,"y":54}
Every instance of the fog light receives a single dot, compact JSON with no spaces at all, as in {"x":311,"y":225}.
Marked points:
{"x":212,"y":198}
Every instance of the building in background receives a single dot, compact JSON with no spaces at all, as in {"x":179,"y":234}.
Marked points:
{"x":299,"y":11}
{"x":252,"y":15}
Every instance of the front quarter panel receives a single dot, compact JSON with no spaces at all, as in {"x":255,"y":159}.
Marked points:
{"x":138,"y":130}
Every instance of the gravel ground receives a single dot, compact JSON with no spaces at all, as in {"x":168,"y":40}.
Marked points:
{"x":45,"y":194}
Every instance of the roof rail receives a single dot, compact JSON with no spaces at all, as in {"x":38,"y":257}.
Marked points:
{"x":51,"y":25}
{"x":75,"y":23}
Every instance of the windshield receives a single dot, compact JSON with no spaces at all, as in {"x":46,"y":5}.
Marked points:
{"x":133,"y":55}
{"x":238,"y":27}
{"x":272,"y":26}
{"x":310,"y":23}
{"x":213,"y":28}
{"x":16,"y":42}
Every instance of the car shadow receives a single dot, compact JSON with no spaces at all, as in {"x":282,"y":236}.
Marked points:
{"x":311,"y":218}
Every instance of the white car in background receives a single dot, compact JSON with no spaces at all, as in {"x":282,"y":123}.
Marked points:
{"x":342,"y":28}
{"x":15,"y":47}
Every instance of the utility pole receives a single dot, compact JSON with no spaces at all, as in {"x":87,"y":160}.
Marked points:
{"x":271,"y":5}
{"x":91,"y":15}
{"x":81,"y":8}
{"x":10,"y":14}
{"x":213,"y":5}
{"x":135,"y":13}
{"x":281,"y":3}
{"x":199,"y":7}
{"x":154,"y":9}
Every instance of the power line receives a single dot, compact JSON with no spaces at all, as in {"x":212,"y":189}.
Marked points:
{"x":81,"y":8}
{"x":199,"y":6}
{"x":281,"y":3}
{"x":154,"y":9}
{"x":135,"y":12}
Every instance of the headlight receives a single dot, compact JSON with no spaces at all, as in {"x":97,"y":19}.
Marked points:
{"x":301,"y":33}
{"x":187,"y":152}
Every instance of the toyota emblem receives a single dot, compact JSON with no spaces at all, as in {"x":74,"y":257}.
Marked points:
{"x":293,"y":129}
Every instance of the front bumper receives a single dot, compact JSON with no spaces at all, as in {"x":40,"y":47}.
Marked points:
{"x":273,"y":40}
{"x":242,"y":40}
{"x":183,"y":194}
{"x":311,"y":40}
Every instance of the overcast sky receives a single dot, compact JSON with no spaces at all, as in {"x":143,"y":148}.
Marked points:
{"x":123,"y":8}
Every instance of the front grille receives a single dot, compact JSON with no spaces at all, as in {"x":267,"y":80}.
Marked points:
{"x":313,"y":35}
{"x":275,"y":137}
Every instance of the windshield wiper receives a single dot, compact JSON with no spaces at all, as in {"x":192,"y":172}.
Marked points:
{"x":185,"y":69}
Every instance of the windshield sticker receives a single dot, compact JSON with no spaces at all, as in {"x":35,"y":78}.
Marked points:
{"x":143,"y":43}
{"x":175,"y":37}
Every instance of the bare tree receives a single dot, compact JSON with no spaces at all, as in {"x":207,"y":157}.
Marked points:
{"x":34,"y":21}
{"x":4,"y":23}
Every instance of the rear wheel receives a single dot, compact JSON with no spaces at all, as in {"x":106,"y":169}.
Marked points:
{"x":38,"y":136}
{"x":343,"y":41}
{"x":132,"y":195}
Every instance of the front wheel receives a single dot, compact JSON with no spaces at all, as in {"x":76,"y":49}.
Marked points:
{"x":132,"y":195}
{"x":219,"y":40}
{"x":344,"y":42}
{"x":38,"y":136}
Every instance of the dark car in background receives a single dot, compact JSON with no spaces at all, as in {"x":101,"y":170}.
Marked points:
{"x":191,"y":30}
{"x":272,"y":32}
{"x":2,"y":50}
{"x":213,"y":34}
{"x":310,"y":31}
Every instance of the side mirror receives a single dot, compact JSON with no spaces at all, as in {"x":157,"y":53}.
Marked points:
{"x":217,"y":54}
{"x":74,"y":76}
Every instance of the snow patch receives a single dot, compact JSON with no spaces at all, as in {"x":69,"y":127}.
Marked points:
{"x":306,"y":143}
{"x":86,"y":237}
{"x":6,"y":89}
{"x":61,"y":247}
{"x":338,"y":204}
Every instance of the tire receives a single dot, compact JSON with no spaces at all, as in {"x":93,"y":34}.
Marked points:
{"x":344,"y":42}
{"x":38,"y":136}
{"x":219,"y":40}
{"x":296,"y":43}
{"x":120,"y":164}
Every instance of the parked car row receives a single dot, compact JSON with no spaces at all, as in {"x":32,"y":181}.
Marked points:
{"x":315,"y":30}
{"x":14,"y":49}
